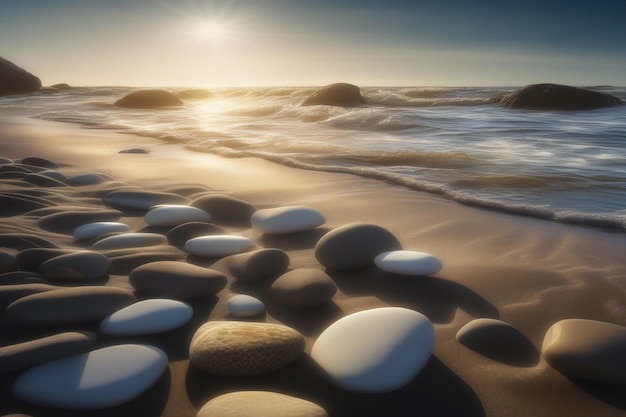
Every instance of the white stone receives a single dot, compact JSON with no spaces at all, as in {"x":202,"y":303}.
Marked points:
{"x":242,"y":305}
{"x":168,"y":215}
{"x":407,"y":262}
{"x":375,"y":351}
{"x":86,"y":179}
{"x":218,"y":245}
{"x":129,"y":240}
{"x":147,"y":317}
{"x":93,"y":230}
{"x":288,"y":219}
{"x":98,"y":379}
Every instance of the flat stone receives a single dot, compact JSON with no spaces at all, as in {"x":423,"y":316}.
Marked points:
{"x":125,"y":264}
{"x":39,"y":162}
{"x":260,"y":404}
{"x":91,"y":231}
{"x":31,"y":259}
{"x":68,"y":306}
{"x":303,"y":288}
{"x":258,"y":265}
{"x":284,"y":220}
{"x":225,"y":208}
{"x":86,"y":179}
{"x":46,"y":349}
{"x":239,"y":348}
{"x":12,"y":204}
{"x":80,"y":265}
{"x":169,"y":215}
{"x":53,"y":173}
{"x":20,"y":241}
{"x":179,"y":235}
{"x":43,"y":180}
{"x":68,"y":221}
{"x":177,"y":280}
{"x":129,"y":240}
{"x":135,"y":151}
{"x":98,"y":379}
{"x":10,"y":293}
{"x":242,"y":305}
{"x":218,"y":246}
{"x":8,"y":262}
{"x":587,"y":349}
{"x":21,"y":277}
{"x":141,"y":200}
{"x":375,"y":351}
{"x":149,"y":98}
{"x":147,"y":317}
{"x":406,"y":262}
{"x":354,"y":246}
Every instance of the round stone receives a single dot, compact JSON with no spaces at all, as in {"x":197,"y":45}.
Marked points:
{"x":147,"y":317}
{"x":68,"y":221}
{"x":225,"y":208}
{"x":177,"y":280}
{"x":289,"y":219}
{"x":91,"y":231}
{"x":31,"y":259}
{"x":81,"y":265}
{"x":406,"y":262}
{"x":8,"y":262}
{"x":303,"y":288}
{"x":240,"y":348}
{"x":169,"y":215}
{"x":587,"y":349}
{"x":258,"y":265}
{"x":242,"y":305}
{"x":129,"y":240}
{"x":354,"y":246}
{"x":10,"y":293}
{"x":141,"y":200}
{"x":375,"y":351}
{"x":98,"y":379}
{"x":179,"y":235}
{"x":260,"y":404}
{"x":86,"y":179}
{"x":217,"y":246}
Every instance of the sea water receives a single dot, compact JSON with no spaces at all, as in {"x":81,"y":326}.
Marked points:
{"x":567,"y":166}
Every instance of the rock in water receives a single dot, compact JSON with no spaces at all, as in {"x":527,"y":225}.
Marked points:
{"x":260,"y":404}
{"x":98,"y":379}
{"x":557,"y":97}
{"x":375,"y":351}
{"x":587,"y":349}
{"x":239,"y":348}
{"x":15,"y":80}
{"x":339,"y":94}
{"x":149,"y":98}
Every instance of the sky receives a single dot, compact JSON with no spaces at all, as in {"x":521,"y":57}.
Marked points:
{"x":222,"y":43}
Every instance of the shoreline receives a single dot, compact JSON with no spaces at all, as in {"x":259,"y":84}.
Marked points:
{"x":527,"y":272}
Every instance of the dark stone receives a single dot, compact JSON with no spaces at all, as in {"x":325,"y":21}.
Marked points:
{"x":61,"y":86}
{"x":31,"y":259}
{"x":124,"y":264}
{"x":10,"y":293}
{"x":258,"y":265}
{"x":8,"y":262}
{"x":180,"y":234}
{"x":339,"y":94}
{"x":303,"y":288}
{"x":225,"y":208}
{"x":81,"y":265}
{"x":22,"y":241}
{"x":66,"y":222}
{"x":141,"y":200}
{"x":15,"y":80}
{"x":135,"y":151}
{"x":354,"y":246}
{"x":557,"y":97}
{"x":39,"y":162}
{"x":20,"y":277}
{"x":149,"y":98}
{"x":12,"y":204}
{"x":43,"y":181}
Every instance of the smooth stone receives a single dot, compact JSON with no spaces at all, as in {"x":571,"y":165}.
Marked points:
{"x":354,"y":246}
{"x":242,"y":305}
{"x":98,"y":379}
{"x":86,"y":179}
{"x":260,"y":404}
{"x":587,"y":349}
{"x":31,"y":259}
{"x":303,"y":288}
{"x":91,"y":231}
{"x":129,"y":240}
{"x":46,"y":349}
{"x":52,"y":173}
{"x":81,"y":265}
{"x":375,"y":351}
{"x":21,"y":241}
{"x":174,"y":215}
{"x":21,"y":277}
{"x":125,"y":264}
{"x":5,"y":161}
{"x":258,"y":265}
{"x":179,"y":235}
{"x":43,"y":180}
{"x":557,"y":97}
{"x":147,"y":317}
{"x":68,"y":306}
{"x":135,"y":151}
{"x":16,"y":80}
{"x":12,"y":204}
{"x":36,"y":161}
{"x":173,"y":279}
{"x":217,"y":246}
{"x":8,"y":262}
{"x":225,"y":208}
{"x":337,"y":94}
{"x":68,"y":221}
{"x":10,"y":293}
{"x":406,"y":262}
{"x":141,"y":200}
{"x":239,"y":348}
{"x":284,"y":220}
{"x":149,"y":98}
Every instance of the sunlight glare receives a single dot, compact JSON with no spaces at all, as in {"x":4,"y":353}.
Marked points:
{"x":211,"y":30}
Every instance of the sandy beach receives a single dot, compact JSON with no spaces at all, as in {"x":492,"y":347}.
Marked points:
{"x":526,"y":272}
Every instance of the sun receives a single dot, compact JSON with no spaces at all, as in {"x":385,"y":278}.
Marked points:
{"x":211,"y":30}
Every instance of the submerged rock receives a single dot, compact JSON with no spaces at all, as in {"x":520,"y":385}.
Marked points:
{"x":557,"y":97}
{"x":339,"y":94}
{"x":15,"y":80}
{"x":149,"y":98}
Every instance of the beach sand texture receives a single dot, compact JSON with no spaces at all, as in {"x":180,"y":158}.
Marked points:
{"x":525,"y":272}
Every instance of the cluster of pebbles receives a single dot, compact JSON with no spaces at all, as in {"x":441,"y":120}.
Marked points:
{"x":84,"y":287}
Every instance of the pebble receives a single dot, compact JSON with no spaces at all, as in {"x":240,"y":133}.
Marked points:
{"x":8,"y":262}
{"x":242,"y":306}
{"x":406,"y":262}
{"x":179,"y":235}
{"x":86,"y":179}
{"x":375,"y":351}
{"x":68,"y":221}
{"x":354,"y":246}
{"x":31,"y":259}
{"x":91,"y":231}
{"x":80,"y":265}
{"x":234,"y":348}
{"x":225,"y":208}
{"x":10,"y":293}
{"x":129,"y":240}
{"x":147,"y":317}
{"x":284,"y":220}
{"x":260,"y":404}
{"x":141,"y":200}
{"x":169,"y":215}
{"x":303,"y":288}
{"x":39,"y":162}
{"x":258,"y":265}
{"x":218,"y":246}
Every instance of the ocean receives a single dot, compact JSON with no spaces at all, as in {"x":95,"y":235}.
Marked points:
{"x":456,"y":142}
